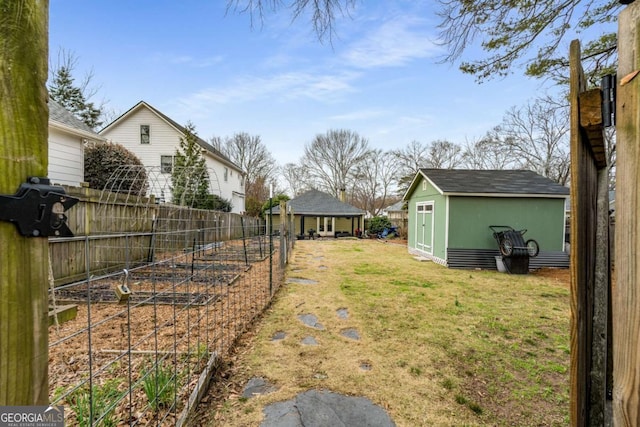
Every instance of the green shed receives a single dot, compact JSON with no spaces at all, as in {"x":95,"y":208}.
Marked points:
{"x":450,"y":212}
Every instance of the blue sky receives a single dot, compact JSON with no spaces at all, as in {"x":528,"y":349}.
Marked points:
{"x":195,"y":61}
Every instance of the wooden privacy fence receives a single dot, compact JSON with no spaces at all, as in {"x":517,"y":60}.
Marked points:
{"x":126,"y":230}
{"x":605,"y":333}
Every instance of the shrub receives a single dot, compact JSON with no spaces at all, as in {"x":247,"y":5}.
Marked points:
{"x":112,"y":167}
{"x":378,"y":224}
{"x":216,"y":203}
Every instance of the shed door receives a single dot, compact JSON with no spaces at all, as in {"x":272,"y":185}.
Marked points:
{"x":424,"y":227}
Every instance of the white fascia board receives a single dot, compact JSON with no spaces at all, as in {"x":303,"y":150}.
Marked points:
{"x":74,"y":131}
{"x":537,"y":196}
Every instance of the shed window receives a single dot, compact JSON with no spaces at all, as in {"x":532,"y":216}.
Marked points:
{"x":145,"y":132}
{"x":226,"y":174}
{"x":424,"y":184}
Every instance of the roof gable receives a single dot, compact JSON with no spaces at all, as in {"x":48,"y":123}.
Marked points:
{"x":179,"y":129}
{"x":496,"y":183}
{"x":314,"y":202}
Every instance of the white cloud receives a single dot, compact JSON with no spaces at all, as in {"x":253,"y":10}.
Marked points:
{"x":395,"y":43}
{"x":358,"y":115}
{"x":286,"y":86}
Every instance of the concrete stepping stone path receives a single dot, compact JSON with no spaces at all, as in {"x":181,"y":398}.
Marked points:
{"x":309,"y":340}
{"x":342,"y":313}
{"x":310,"y":320}
{"x":325,"y":408}
{"x":350,"y":333}
{"x":257,"y":386}
{"x":279,"y":336}
{"x":301,"y":281}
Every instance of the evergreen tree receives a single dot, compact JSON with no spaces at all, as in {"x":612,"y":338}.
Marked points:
{"x":189,"y":178}
{"x":74,"y":98}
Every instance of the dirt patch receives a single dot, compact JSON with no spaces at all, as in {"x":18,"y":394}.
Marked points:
{"x":561,"y":276}
{"x":177,"y":317}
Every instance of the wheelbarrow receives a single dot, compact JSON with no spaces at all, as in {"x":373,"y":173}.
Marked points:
{"x":511,"y":242}
{"x":514,"y":250}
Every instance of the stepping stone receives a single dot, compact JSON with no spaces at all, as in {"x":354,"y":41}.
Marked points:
{"x":310,"y":320}
{"x":257,"y":386}
{"x":302,"y":281}
{"x":350,"y":333}
{"x":342,"y":313}
{"x":278,"y":336}
{"x":309,"y":341}
{"x":366,"y":365}
{"x":323,"y":267}
{"x":325,"y":408}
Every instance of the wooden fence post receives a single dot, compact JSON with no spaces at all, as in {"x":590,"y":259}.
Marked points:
{"x":590,"y":269}
{"x":626,"y":294}
{"x":23,"y":152}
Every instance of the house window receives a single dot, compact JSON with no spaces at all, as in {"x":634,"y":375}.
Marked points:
{"x":166,"y":164}
{"x":226,"y":174}
{"x":424,"y":184}
{"x":144,"y":134}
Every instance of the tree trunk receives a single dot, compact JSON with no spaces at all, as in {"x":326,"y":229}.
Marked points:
{"x":24,"y":117}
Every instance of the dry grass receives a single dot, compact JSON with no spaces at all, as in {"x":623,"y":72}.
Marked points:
{"x":446,"y":347}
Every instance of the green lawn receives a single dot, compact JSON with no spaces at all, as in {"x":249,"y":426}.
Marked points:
{"x":446,"y":347}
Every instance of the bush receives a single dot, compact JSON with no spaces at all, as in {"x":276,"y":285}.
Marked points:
{"x":112,"y":167}
{"x":216,"y":203}
{"x":378,"y":224}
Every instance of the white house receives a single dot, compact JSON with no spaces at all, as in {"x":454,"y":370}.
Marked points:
{"x":154,"y":138}
{"x":67,"y":136}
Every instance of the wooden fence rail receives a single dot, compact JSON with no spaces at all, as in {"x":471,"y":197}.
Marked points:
{"x":115,"y":230}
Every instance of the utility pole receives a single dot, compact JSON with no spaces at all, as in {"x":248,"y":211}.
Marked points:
{"x":24,"y":39}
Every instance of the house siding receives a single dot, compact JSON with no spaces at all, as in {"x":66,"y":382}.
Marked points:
{"x":164,"y":141}
{"x":470,"y":218}
{"x":66,"y":159}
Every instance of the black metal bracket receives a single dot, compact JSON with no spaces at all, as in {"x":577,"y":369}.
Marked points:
{"x":38,"y":208}
{"x":608,"y":86}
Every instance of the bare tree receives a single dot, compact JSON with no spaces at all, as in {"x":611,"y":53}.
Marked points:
{"x":488,"y":154}
{"x":444,"y":155}
{"x":408,"y":161}
{"x":322,"y":13}
{"x":374,"y":180}
{"x":537,"y":136}
{"x":255,"y":160}
{"x":334,"y":157}
{"x":296,"y":177}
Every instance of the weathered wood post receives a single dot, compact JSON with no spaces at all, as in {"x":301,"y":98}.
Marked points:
{"x":284,"y":227}
{"x":626,"y":293}
{"x":590,"y":269}
{"x":23,"y":152}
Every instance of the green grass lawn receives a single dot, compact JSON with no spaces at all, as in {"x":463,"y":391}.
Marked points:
{"x":445,"y":347}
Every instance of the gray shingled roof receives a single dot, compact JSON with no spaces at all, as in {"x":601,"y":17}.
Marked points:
{"x":493,"y":182}
{"x":59,"y":114}
{"x":315,"y":202}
